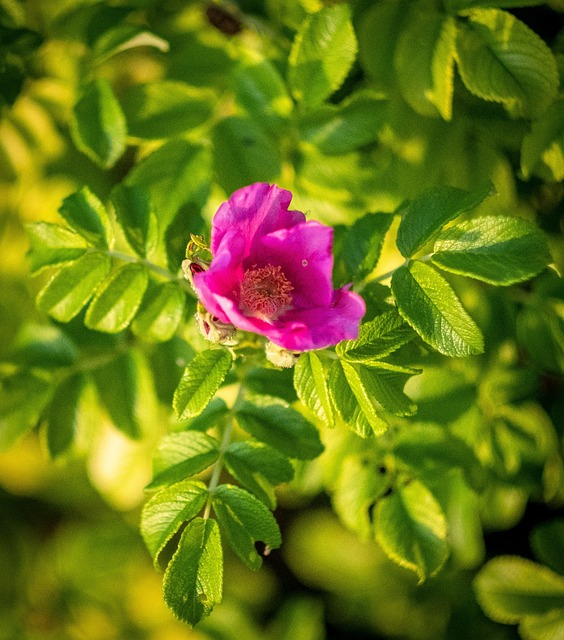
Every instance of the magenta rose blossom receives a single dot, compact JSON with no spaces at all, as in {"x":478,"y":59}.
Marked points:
{"x":271,"y":273}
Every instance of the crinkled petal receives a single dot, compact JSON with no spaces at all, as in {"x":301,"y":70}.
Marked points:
{"x":304,"y":253}
{"x":254,"y":211}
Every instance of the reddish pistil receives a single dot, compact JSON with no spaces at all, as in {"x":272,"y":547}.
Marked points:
{"x":266,"y":292}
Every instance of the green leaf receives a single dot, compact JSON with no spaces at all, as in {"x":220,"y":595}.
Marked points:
{"x":167,"y":511}
{"x":51,"y":245}
{"x":62,"y":414}
{"x":427,"y":302}
{"x":43,"y":346}
{"x":136,"y":217}
{"x":359,"y":247}
{"x":160,"y":313}
{"x":261,"y":91}
{"x":310,"y":382}
{"x":346,"y":404}
{"x":550,"y":625}
{"x":544,"y":144}
{"x":258,"y":467}
{"x":496,"y":249}
{"x":193,"y":582}
{"x":547,"y":541}
{"x":281,"y":427}
{"x":124,"y":37}
{"x":243,"y":153}
{"x":183,"y":454}
{"x":462,"y":5}
{"x":165,"y":108}
{"x":509,"y":588}
{"x":98,"y":125}
{"x":411,"y":528}
{"x":353,"y":123}
{"x":116,"y":383}
{"x":84,"y":212}
{"x":201,"y":379}
{"x":117,"y":300}
{"x":361,"y":481}
{"x":424,"y":216}
{"x":424,"y":60}
{"x":502,"y":60}
{"x":245,"y":520}
{"x":72,"y":286}
{"x":322,"y":54}
{"x":23,"y":396}
{"x":377,"y":339}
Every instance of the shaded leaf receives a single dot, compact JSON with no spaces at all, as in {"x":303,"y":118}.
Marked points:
{"x":62,"y":414}
{"x":160,"y":313}
{"x":135,"y":215}
{"x":84,"y":212}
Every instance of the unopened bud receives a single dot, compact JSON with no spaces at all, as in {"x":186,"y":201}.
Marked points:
{"x":214,"y":330}
{"x":281,"y":357}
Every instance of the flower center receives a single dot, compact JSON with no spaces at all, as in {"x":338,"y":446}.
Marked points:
{"x":265,"y":291}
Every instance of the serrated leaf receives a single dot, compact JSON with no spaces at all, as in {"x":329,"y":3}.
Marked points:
{"x":116,"y":383}
{"x":62,"y":414}
{"x":244,"y":153}
{"x":547,"y":541}
{"x":310,"y":382}
{"x":345,"y":402}
{"x":544,"y":144}
{"x":245,"y":520}
{"x":496,"y":249}
{"x":429,"y":304}
{"x":193,"y":581}
{"x":510,"y":588}
{"x":359,"y":246}
{"x":361,"y":481}
{"x":183,"y":454}
{"x":116,"y":302}
{"x":98,"y":125}
{"x":51,"y":245}
{"x":23,"y":396}
{"x":167,"y":511}
{"x":84,"y":212}
{"x":424,"y":216}
{"x":502,"y":60}
{"x":411,"y":528}
{"x":201,"y":379}
{"x":377,"y":339}
{"x":72,"y":286}
{"x":136,"y":217}
{"x":282,"y":428}
{"x":165,"y":108}
{"x":322,"y":54}
{"x":258,"y":467}
{"x":160,"y":313}
{"x":424,"y":61}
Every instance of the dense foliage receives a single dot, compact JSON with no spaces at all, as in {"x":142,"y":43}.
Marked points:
{"x":405,"y":483}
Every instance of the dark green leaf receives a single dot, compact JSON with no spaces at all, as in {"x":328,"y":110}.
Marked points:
{"x":202,"y":378}
{"x":62,"y":414}
{"x":544,"y":144}
{"x":87,"y":216}
{"x":496,"y":249}
{"x":258,"y":467}
{"x":43,"y":346}
{"x":428,"y":303}
{"x":51,"y":245}
{"x":282,"y":428}
{"x":165,"y":108}
{"x":98,"y":126}
{"x":136,"y":217}
{"x":160,"y":313}
{"x":193,"y":582}
{"x":245,"y":520}
{"x":424,"y":216}
{"x":72,"y":286}
{"x":116,"y":383}
{"x":181,"y":455}
{"x":501,"y":59}
{"x":310,"y":382}
{"x":411,"y":528}
{"x":117,"y":300}
{"x":322,"y":54}
{"x":547,"y":541}
{"x":167,"y":511}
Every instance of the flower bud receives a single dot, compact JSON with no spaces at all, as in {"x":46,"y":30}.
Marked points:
{"x":281,"y":357}
{"x":214,"y":330}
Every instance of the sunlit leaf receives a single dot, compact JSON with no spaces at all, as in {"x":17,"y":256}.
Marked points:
{"x":160,"y":313}
{"x":310,"y":381}
{"x":135,"y":215}
{"x":52,"y":245}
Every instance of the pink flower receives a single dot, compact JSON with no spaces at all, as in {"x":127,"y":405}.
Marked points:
{"x":271,"y":273}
